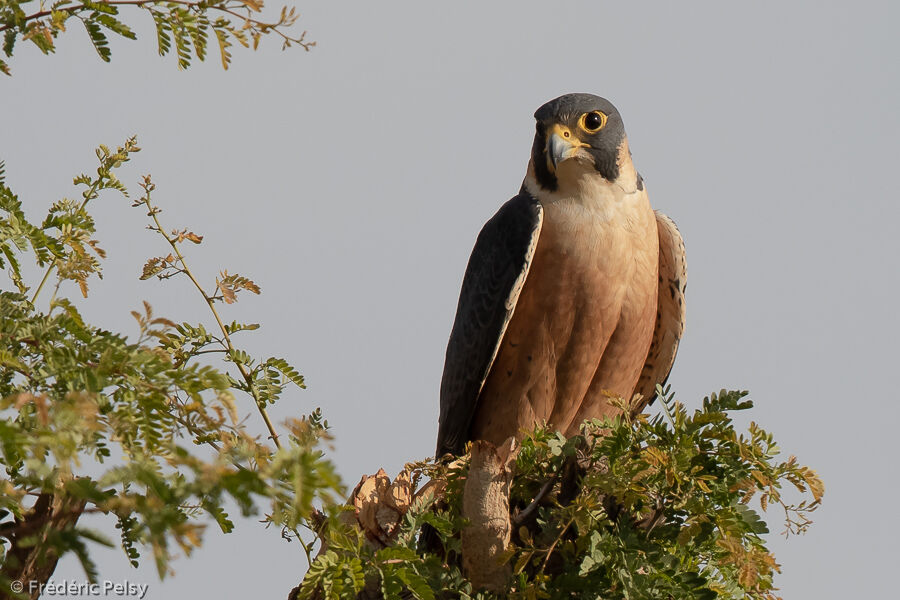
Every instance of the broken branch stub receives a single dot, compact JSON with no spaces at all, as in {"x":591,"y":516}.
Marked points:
{"x":486,"y":507}
{"x":380,"y":506}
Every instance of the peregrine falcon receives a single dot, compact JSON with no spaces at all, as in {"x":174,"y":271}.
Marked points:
{"x":574,"y":292}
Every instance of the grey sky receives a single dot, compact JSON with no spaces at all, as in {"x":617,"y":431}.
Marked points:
{"x":350,"y":183}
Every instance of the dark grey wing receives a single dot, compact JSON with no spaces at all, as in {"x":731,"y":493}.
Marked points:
{"x":670,"y":311}
{"x":494,"y":278}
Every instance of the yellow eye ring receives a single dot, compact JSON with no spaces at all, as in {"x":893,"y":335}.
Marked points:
{"x":592,"y":122}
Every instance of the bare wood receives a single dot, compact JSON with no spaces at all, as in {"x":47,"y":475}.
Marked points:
{"x":379,"y":506}
{"x":486,"y":507}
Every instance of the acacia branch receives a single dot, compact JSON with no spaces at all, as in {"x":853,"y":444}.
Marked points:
{"x":522,"y":516}
{"x":180,"y":24}
{"x":210,"y":301}
{"x":223,"y":7}
{"x":89,"y":195}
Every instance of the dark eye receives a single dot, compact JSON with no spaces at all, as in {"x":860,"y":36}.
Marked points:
{"x":593,"y":122}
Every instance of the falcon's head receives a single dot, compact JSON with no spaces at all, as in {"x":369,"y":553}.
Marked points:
{"x":578,"y":134}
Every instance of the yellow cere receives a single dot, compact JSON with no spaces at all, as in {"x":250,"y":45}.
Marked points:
{"x":566,"y":133}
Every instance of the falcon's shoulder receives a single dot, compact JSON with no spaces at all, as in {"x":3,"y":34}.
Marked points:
{"x":670,"y":313}
{"x":494,"y":278}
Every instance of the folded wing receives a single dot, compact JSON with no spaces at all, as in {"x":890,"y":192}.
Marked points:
{"x":670,"y":310}
{"x":494,"y":278}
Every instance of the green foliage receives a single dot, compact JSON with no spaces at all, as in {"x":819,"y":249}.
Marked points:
{"x":660,"y":508}
{"x":144,"y":430}
{"x":185,"y":23}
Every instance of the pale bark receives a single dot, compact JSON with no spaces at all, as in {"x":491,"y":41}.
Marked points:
{"x":486,"y":506}
{"x":379,"y":506}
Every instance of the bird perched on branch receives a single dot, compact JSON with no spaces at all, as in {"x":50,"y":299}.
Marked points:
{"x":574,"y":292}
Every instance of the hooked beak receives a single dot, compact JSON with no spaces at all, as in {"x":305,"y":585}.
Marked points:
{"x":561,"y":145}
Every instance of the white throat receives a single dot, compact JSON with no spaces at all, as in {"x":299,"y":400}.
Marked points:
{"x":582,"y":189}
